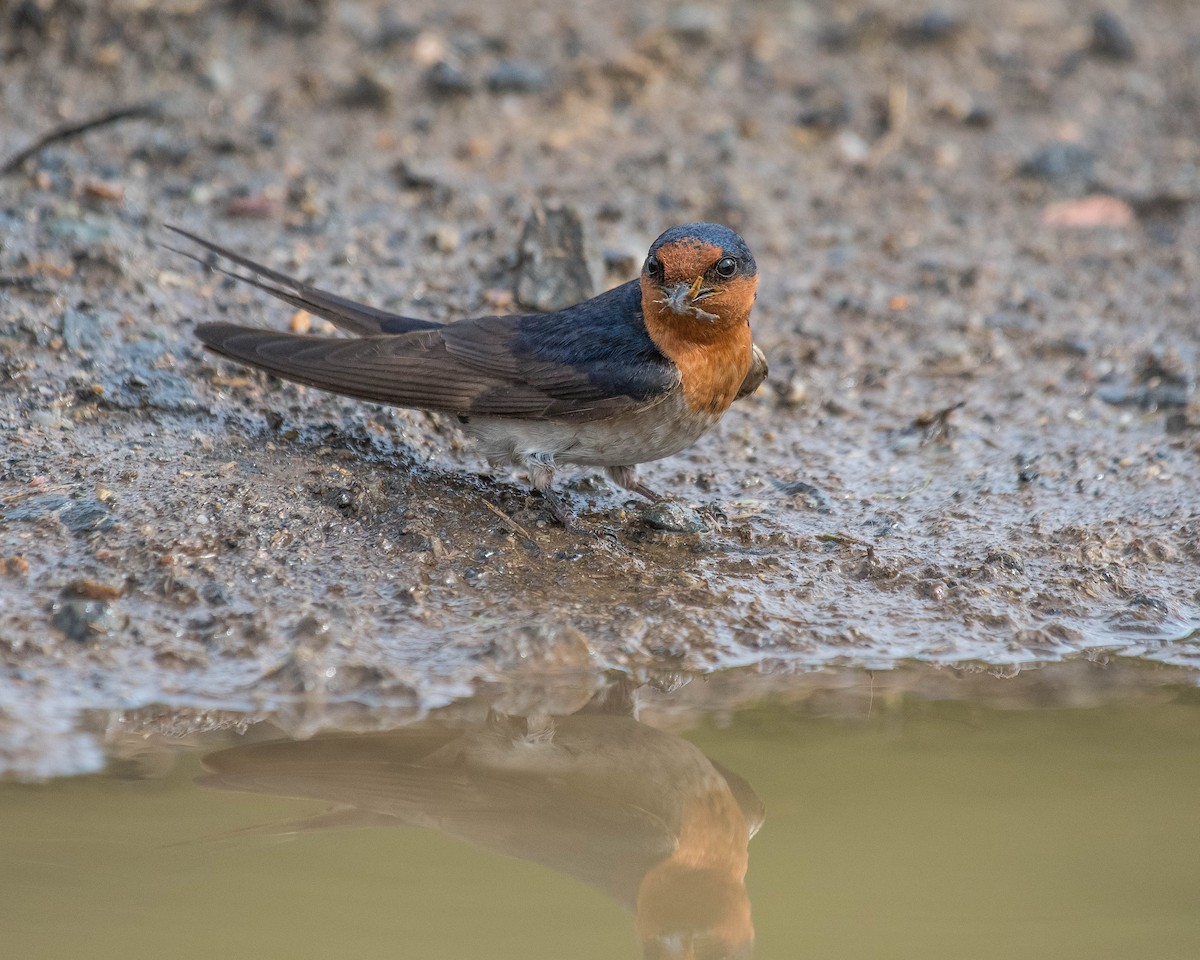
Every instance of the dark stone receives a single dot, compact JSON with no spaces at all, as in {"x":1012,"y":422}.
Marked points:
{"x":672,"y":517}
{"x":1027,"y":468}
{"x":144,"y":388}
{"x":446,"y":80}
{"x":85,"y":517}
{"x":933,"y":26}
{"x":1059,"y":162}
{"x":367,"y":92}
{"x":825,"y":110}
{"x":1110,"y":39}
{"x":513,"y":76}
{"x":214,"y":594}
{"x":35,"y":507}
{"x":83,"y":620}
{"x":552,"y":261}
{"x":813,"y":496}
{"x":81,"y":517}
{"x":287,"y":16}
{"x":1156,"y":397}
{"x":84,"y":331}
{"x":410,"y":178}
{"x":620,"y":261}
{"x":980,"y":116}
{"x":391,"y":32}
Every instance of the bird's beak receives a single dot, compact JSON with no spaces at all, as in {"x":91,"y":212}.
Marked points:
{"x":682,"y":298}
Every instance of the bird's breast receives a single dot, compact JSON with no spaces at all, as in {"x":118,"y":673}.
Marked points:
{"x":712,"y":356}
{"x":712,"y":373}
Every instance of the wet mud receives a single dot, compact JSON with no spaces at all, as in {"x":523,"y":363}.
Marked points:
{"x":977,"y":233}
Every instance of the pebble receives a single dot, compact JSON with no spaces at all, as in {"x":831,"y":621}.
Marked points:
{"x":827,"y":111}
{"x":853,"y":148}
{"x":1059,"y":162}
{"x":552,"y":261}
{"x":446,"y":80}
{"x":392,"y":31}
{"x":797,"y":392}
{"x":421,"y":181}
{"x":140,"y":387}
{"x":287,"y":16}
{"x":367,"y":92}
{"x":672,"y":517}
{"x":933,"y":26}
{"x":1149,"y":397}
{"x":514,"y":76}
{"x":623,"y":262}
{"x":83,"y":620}
{"x":84,"y":331}
{"x":81,"y":517}
{"x":85,"y":517}
{"x":693,"y":23}
{"x":1110,"y":39}
{"x":445,"y":239}
{"x":979,"y":116}
{"x":35,"y":507}
{"x":1093,"y":211}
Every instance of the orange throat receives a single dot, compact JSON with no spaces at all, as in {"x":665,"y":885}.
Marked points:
{"x":713,"y":356}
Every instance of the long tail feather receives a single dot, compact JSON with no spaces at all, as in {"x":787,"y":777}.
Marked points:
{"x":356,"y":318}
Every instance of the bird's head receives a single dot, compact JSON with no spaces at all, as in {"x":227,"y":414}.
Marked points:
{"x":699,"y":279}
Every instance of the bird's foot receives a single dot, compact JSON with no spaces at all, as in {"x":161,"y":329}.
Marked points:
{"x":562,"y":513}
{"x":714,"y":515}
{"x":627,"y":477}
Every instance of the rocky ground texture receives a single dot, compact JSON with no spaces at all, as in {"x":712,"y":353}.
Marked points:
{"x":978,"y":231}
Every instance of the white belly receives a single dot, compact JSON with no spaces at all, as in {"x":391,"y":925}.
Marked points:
{"x":648,"y":434}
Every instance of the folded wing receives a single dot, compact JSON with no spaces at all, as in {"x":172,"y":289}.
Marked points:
{"x":590,"y":361}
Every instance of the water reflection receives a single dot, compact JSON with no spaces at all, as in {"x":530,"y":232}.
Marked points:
{"x":635,"y":812}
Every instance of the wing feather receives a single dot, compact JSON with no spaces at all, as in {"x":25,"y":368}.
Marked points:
{"x":757,"y":374}
{"x":587,"y":362}
{"x":416,"y":370}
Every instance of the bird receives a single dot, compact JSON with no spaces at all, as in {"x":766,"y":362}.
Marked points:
{"x":638,"y":813}
{"x":632,"y":375}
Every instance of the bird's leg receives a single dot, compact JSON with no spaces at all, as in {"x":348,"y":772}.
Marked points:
{"x":562,"y":513}
{"x":627,"y":477}
{"x":541,"y":476}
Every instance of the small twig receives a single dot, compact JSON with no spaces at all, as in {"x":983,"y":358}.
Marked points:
{"x":842,"y":538}
{"x":917,"y":488}
{"x":509,"y":522}
{"x":68,"y":130}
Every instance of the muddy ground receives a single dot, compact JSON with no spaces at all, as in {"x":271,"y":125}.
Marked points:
{"x":978,"y":232}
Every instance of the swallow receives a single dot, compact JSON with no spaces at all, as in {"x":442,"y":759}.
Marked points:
{"x":640,"y":814}
{"x":632,"y":375}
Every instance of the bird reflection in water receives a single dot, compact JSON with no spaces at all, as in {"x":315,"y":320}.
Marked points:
{"x":635,"y":812}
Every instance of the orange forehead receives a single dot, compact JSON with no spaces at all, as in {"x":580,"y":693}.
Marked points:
{"x":686,"y":259}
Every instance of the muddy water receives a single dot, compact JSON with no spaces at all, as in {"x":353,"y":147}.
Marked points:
{"x":895,"y":815}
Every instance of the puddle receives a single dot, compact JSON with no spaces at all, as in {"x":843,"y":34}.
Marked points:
{"x":913,"y":813}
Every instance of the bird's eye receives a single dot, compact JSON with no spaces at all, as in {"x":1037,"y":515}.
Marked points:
{"x":654,"y":267}
{"x":726,"y":267}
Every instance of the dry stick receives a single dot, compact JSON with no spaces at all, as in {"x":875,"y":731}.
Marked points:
{"x":510,"y":522}
{"x":68,"y":130}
